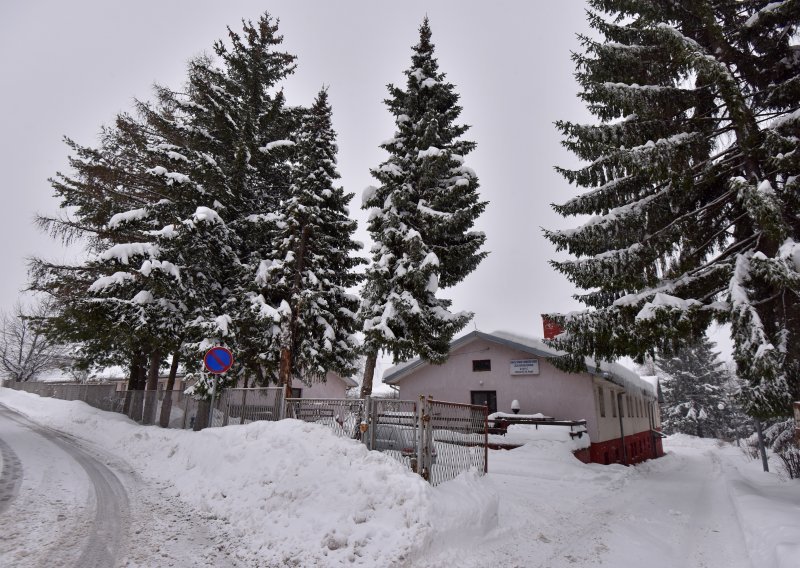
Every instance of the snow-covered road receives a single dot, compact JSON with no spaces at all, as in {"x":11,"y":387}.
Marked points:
{"x":59,"y":485}
{"x":278,"y":494}
{"x":64,"y":504}
{"x":670,"y":512}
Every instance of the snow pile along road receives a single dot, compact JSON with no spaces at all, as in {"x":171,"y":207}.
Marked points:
{"x":287,"y":493}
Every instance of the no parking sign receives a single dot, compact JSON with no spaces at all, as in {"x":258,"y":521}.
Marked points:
{"x":217,"y":360}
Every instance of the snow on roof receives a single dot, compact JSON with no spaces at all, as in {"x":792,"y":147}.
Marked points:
{"x":613,"y":372}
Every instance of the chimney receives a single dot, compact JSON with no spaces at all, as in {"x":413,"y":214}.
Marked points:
{"x":551,"y":328}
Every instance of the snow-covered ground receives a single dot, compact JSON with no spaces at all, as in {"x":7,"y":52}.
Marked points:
{"x":291,"y":494}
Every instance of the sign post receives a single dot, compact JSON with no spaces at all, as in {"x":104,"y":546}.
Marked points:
{"x":217,"y":360}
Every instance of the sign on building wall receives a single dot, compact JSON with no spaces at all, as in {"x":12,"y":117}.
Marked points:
{"x":525,"y":367}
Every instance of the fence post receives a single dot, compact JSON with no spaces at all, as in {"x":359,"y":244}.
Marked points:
{"x":366,"y":412}
{"x":243,"y":406}
{"x":486,"y":440}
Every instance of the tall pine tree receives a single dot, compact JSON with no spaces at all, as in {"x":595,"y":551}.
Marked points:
{"x":421,"y":218}
{"x":694,"y":386}
{"x":691,"y":179}
{"x":312,"y":266}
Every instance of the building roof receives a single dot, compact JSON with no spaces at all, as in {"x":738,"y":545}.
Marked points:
{"x":612,"y":372}
{"x":348,"y":381}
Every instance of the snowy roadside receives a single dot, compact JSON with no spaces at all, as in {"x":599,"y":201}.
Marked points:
{"x":292,"y":494}
{"x":703,"y":505}
{"x":288,"y":493}
{"x":767,"y":505}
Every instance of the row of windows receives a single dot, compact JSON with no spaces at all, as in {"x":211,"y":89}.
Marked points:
{"x":636,"y":407}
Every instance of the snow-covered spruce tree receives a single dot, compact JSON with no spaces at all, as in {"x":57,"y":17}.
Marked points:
{"x":164,"y":264}
{"x":693,"y":384}
{"x":232,"y":129}
{"x":421,"y":218}
{"x":691,"y":179}
{"x":312,"y":266}
{"x":89,"y":196}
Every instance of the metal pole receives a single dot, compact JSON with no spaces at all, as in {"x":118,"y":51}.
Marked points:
{"x":621,"y":429}
{"x":213,"y":397}
{"x":761,"y":447}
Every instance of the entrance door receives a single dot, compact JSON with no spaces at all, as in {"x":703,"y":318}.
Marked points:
{"x":485,"y":398}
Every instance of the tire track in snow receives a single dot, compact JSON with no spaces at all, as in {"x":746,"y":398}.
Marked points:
{"x":105,"y":532}
{"x":10,"y":476}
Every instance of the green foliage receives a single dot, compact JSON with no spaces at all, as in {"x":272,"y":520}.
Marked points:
{"x":421,"y":216}
{"x":690,"y":182}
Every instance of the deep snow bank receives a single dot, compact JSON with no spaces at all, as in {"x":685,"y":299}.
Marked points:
{"x":290,"y":493}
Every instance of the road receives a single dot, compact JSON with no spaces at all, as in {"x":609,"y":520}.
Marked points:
{"x":65,"y":504}
{"x":674,"y":511}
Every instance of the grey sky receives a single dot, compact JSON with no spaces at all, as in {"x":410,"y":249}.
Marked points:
{"x":69,"y":67}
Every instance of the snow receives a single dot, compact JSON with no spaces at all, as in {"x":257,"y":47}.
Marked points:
{"x":771,"y":7}
{"x":163,"y":265}
{"x":276,"y":144}
{"x":126,"y":217}
{"x":207,"y":214}
{"x":123,"y":252}
{"x":171,"y":176}
{"x":430,"y":152}
{"x":661,"y":301}
{"x":289,"y":493}
{"x":292,"y":494}
{"x":116,"y":279}
{"x":143,"y":297}
{"x":428,"y":83}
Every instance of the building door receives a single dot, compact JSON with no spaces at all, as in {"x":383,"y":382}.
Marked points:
{"x":485,"y":398}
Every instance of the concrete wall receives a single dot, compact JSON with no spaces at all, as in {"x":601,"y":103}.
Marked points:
{"x":333,"y":387}
{"x":552,"y":392}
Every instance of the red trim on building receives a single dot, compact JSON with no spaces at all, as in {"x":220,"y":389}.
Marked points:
{"x":639,"y":447}
{"x":583,"y":454}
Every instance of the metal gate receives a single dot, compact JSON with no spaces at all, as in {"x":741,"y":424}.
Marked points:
{"x":454,"y":438}
{"x":342,"y":415}
{"x":439,"y":440}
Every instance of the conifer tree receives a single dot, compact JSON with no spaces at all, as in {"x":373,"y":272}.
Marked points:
{"x":170,"y":202}
{"x":693,"y":384}
{"x":691,"y":179}
{"x":312,"y":265}
{"x":421,"y":217}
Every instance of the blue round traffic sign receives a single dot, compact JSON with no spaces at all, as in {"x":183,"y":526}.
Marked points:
{"x":218,"y":360}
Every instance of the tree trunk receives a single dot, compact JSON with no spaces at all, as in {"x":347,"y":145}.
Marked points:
{"x":286,"y":370}
{"x":285,"y":373}
{"x":137,"y":398}
{"x":151,"y":388}
{"x":369,"y":373}
{"x":166,"y":404}
{"x":133,"y":377}
{"x":201,"y":418}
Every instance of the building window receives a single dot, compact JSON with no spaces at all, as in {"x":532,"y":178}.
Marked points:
{"x":297,"y":393}
{"x":602,"y":399}
{"x":485,"y":398}
{"x":481,"y":365}
{"x":613,"y":404}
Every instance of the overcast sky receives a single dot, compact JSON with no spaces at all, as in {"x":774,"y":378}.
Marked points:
{"x":69,"y":67}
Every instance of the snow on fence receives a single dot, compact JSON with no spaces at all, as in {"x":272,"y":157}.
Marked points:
{"x":169,"y":409}
{"x":100,"y":395}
